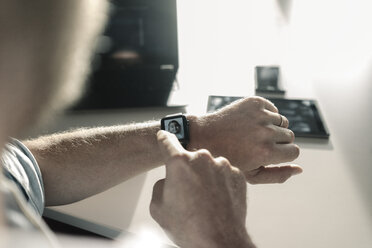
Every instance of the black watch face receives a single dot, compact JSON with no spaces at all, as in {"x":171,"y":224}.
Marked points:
{"x":174,"y":125}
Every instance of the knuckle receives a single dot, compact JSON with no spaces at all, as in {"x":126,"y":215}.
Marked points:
{"x":223,"y":161}
{"x":256,"y":101}
{"x":204,"y":155}
{"x":296,"y":151}
{"x":239,"y":175}
{"x":267,"y":101}
{"x":180,"y":157}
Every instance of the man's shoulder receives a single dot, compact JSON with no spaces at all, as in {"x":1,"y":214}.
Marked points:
{"x":21,"y":167}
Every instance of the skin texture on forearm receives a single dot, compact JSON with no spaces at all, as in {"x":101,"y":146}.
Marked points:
{"x":84,"y":162}
{"x":78,"y":164}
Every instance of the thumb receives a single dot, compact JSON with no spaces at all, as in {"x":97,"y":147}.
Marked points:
{"x":157,"y":197}
{"x":169,"y":145}
{"x":277,"y":174}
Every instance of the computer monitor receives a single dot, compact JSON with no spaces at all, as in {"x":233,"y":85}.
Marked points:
{"x":138,"y":56}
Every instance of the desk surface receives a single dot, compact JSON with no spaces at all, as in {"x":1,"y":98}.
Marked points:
{"x":330,"y":204}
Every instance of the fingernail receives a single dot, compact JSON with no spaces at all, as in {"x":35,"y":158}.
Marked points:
{"x":297,"y":171}
{"x":160,"y":132}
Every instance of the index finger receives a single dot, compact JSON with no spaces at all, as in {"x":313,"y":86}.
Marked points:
{"x":270,"y":106}
{"x":169,"y":145}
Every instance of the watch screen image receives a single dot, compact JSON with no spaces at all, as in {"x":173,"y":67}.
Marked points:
{"x":175,"y":126}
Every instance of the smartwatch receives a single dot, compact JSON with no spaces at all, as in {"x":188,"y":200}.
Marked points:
{"x":179,"y":126}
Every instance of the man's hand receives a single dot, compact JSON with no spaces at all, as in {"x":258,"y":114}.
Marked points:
{"x":202,"y":200}
{"x":251,"y":134}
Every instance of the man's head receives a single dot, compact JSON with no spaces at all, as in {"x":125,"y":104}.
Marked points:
{"x":45,"y":49}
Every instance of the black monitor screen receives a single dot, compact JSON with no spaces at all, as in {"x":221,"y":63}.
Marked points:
{"x":138,"y":56}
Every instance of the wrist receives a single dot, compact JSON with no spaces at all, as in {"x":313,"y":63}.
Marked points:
{"x":195,"y":132}
{"x":202,"y":133}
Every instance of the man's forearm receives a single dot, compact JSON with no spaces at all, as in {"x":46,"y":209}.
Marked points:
{"x":84,"y":162}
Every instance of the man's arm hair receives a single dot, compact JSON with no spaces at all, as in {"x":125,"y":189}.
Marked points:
{"x":81,"y":163}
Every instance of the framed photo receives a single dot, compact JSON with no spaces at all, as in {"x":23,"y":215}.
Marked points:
{"x":267,"y":79}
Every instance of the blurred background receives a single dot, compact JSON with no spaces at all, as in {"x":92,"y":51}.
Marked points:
{"x":159,"y":57}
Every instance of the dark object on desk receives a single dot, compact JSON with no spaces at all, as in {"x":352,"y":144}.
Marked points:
{"x":304,"y":115}
{"x":67,"y":224}
{"x":217,"y":102}
{"x":267,"y":80}
{"x":138,"y":57}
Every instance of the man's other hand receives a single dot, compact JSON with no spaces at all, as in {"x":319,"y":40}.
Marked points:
{"x":202,"y":200}
{"x":251,"y":134}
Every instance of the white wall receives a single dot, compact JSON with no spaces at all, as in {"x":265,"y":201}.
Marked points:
{"x":221,"y":41}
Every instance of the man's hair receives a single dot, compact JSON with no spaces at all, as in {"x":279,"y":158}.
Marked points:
{"x":45,"y":49}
